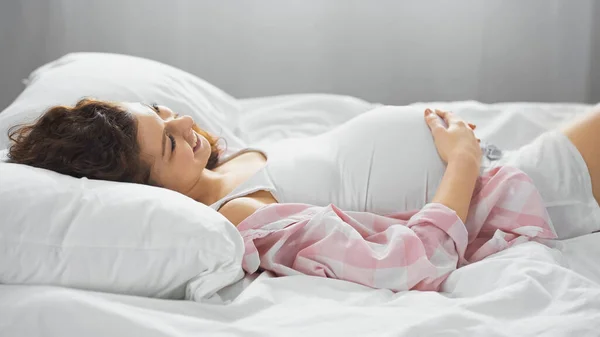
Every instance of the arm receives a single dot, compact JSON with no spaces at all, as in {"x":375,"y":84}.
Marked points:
{"x":458,"y":147}
{"x":456,"y":189}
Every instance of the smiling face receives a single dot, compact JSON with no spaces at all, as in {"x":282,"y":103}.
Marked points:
{"x":177,"y":153}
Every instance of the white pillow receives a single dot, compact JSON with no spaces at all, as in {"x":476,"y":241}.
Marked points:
{"x":123,"y":78}
{"x":269,"y":119}
{"x":112,"y":237}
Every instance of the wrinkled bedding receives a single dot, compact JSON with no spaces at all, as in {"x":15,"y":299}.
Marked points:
{"x":531,"y":289}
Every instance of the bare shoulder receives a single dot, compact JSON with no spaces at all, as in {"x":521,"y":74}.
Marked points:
{"x":239,"y":209}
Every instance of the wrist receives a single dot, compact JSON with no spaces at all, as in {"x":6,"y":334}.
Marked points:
{"x":465,"y":160}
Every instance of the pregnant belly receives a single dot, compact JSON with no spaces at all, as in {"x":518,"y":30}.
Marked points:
{"x":394,"y":149}
{"x":382,"y":161}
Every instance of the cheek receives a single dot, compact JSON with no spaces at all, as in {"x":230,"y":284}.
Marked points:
{"x":206,"y":144}
{"x":206,"y":150}
{"x":181,"y":172}
{"x":184,"y":161}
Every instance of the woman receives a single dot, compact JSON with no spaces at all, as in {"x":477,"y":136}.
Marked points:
{"x":382,"y":161}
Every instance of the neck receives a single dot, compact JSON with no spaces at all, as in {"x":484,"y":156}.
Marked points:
{"x":210,"y":187}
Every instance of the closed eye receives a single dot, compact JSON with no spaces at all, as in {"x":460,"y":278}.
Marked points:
{"x":173,"y":142}
{"x":155,"y":108}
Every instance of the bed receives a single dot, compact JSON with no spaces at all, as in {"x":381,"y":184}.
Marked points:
{"x":531,"y":289}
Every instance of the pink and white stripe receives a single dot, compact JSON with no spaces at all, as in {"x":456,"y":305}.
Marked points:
{"x":402,"y":251}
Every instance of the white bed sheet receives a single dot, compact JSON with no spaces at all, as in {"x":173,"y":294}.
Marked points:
{"x":528,"y":290}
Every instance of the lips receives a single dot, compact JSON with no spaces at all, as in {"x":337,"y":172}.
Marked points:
{"x":197,"y":144}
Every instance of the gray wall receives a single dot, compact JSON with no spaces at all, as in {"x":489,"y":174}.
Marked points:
{"x":594,"y":84}
{"x":389,"y":51}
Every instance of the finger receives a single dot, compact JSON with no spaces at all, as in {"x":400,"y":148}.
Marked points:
{"x":441,"y":113}
{"x":472,"y":126}
{"x":462,"y":123}
{"x":447,"y":116}
{"x":451,"y":118}
{"x":432,"y":121}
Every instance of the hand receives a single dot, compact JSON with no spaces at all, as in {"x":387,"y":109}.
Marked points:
{"x":457,"y":141}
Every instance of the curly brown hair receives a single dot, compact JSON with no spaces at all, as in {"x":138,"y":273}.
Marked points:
{"x":94,"y":139}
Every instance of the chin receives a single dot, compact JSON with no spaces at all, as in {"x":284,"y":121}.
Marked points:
{"x":204,"y":157}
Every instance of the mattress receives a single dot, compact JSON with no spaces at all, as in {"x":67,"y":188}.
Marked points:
{"x":533,"y":289}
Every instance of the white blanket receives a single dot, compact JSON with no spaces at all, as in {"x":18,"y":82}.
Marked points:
{"x":528,"y":290}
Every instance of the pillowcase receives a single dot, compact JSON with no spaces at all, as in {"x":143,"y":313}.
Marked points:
{"x":117,"y":77}
{"x":112,"y":237}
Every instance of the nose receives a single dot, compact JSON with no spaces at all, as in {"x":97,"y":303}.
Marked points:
{"x":182,"y":123}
